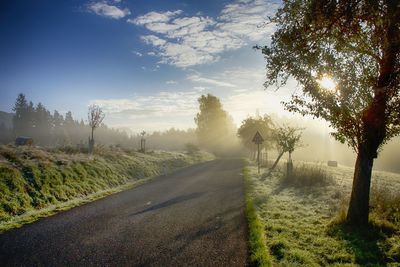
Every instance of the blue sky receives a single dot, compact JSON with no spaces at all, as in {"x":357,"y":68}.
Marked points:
{"x":145,"y":62}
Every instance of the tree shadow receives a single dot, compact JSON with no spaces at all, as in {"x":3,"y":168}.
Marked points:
{"x":171,"y":202}
{"x":363,"y":241}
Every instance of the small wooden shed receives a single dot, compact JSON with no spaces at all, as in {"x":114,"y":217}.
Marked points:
{"x":23,"y":141}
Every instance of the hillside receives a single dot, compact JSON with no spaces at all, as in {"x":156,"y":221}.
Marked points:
{"x":34,"y":179}
{"x":302,"y":217}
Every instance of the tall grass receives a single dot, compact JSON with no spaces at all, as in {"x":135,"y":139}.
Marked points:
{"x":308,"y":175}
{"x":385,"y":207}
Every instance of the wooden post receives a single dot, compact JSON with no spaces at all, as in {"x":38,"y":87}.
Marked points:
{"x":257,"y":139}
{"x":258,"y":157}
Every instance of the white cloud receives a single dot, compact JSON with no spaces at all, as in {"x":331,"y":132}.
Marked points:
{"x":106,"y":10}
{"x":154,"y":40}
{"x":199,"y":79}
{"x":166,"y":109}
{"x":199,"y":88}
{"x":188,"y":41}
{"x":159,"y":104}
{"x":137,"y":53}
{"x":153,"y":17}
{"x":160,"y":111}
{"x":151,"y":54}
{"x":171,"y":82}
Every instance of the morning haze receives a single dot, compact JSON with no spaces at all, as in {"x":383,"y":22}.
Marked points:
{"x":199,"y":133}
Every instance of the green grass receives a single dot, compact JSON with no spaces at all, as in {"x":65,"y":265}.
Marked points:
{"x":301,"y":218}
{"x":38,"y":182}
{"x":259,"y":255}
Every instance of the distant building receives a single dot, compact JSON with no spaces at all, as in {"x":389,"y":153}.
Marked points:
{"x":23,"y":141}
{"x":332,"y":163}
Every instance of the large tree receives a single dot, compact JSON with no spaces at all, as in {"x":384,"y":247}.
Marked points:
{"x":357,"y":43}
{"x":215,"y":129}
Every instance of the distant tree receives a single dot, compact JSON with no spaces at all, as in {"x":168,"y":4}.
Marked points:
{"x":215,"y":128}
{"x":95,"y":117}
{"x":42,"y":124}
{"x":250,"y":126}
{"x":357,"y":42}
{"x":69,"y":120}
{"x":287,"y":139}
{"x":57,"y":128}
{"x":191,"y":148}
{"x":20,"y":121}
{"x":52,"y":129}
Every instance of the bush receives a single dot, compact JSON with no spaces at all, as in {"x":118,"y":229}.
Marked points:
{"x":191,"y":148}
{"x":307,"y":175}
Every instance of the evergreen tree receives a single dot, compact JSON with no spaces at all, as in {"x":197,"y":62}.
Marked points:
{"x":20,"y":118}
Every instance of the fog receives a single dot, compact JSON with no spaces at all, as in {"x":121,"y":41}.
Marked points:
{"x":319,"y":146}
{"x":215,"y":133}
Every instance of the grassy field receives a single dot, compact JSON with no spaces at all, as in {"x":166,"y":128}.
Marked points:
{"x":302,"y":217}
{"x":38,"y":182}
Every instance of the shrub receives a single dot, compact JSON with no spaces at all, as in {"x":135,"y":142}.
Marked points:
{"x":191,"y":148}
{"x":308,"y":175}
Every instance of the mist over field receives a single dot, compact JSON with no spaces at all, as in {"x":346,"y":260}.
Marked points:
{"x":200,"y":133}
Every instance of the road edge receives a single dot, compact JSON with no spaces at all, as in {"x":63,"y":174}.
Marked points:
{"x":258,"y":251}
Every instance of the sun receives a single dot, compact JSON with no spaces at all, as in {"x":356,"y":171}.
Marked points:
{"x":327,"y":82}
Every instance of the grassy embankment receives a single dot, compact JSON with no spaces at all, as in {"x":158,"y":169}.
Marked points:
{"x":37,"y":182}
{"x":303,"y":216}
{"x":259,"y":254}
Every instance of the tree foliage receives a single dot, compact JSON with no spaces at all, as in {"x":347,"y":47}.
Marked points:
{"x":251,"y":125}
{"x":287,"y":138}
{"x":215,"y":128}
{"x":358,"y":43}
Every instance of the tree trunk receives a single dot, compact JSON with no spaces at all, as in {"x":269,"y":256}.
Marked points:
{"x":359,"y":201}
{"x":276,"y":161}
{"x":273,"y":166}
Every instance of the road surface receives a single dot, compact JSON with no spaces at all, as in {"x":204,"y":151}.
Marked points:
{"x":193,"y":217}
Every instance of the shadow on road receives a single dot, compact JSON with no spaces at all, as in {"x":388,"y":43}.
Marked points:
{"x":171,"y":202}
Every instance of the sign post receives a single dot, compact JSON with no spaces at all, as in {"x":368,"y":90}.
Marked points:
{"x":258,"y":139}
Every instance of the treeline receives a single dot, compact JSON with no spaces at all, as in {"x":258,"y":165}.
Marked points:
{"x":57,"y":130}
{"x":172,"y":139}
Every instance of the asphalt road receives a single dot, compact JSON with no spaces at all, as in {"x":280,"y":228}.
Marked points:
{"x":193,"y":217}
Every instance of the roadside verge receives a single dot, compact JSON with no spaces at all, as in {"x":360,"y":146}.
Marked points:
{"x":259,"y":255}
{"x":39,"y":182}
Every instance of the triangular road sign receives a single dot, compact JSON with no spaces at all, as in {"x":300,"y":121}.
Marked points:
{"x":257,"y":139}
